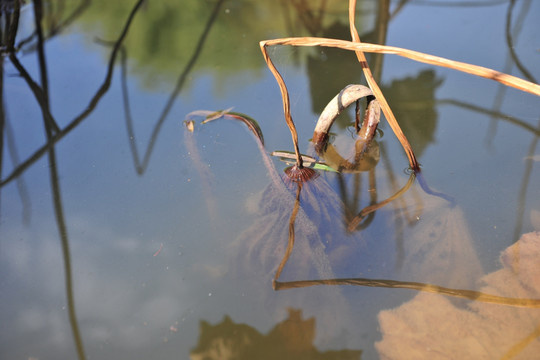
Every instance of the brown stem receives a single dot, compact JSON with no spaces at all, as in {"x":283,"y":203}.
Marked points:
{"x":417,"y":286}
{"x":369,"y":209}
{"x":286,"y":103}
{"x":371,"y":120}
{"x":290,"y":244}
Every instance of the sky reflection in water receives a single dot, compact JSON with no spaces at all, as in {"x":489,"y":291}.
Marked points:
{"x":202,"y":230}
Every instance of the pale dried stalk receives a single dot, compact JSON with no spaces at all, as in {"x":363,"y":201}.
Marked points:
{"x":392,"y":121}
{"x":351,"y":93}
{"x":484,"y":72}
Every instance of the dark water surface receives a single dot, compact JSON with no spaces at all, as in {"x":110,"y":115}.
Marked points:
{"x":131,"y":237}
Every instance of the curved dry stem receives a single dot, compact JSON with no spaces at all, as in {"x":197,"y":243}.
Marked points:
{"x":286,"y":103}
{"x":476,"y":70}
{"x":349,"y":94}
{"x":250,"y":123}
{"x":371,"y":121}
{"x":359,"y":48}
{"x":369,"y":209}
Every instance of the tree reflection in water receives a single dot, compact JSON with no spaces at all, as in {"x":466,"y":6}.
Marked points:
{"x":291,"y":339}
{"x":10,"y":15}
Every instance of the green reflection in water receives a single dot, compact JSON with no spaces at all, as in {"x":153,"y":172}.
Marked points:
{"x":165,"y":35}
{"x":290,"y":339}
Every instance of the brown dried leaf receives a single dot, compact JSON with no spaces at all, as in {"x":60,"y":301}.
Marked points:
{"x":432,"y":327}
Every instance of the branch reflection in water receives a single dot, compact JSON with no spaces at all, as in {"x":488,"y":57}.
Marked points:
{"x":52,"y":129}
{"x":293,"y":338}
{"x":141,"y":166}
{"x":84,"y":114}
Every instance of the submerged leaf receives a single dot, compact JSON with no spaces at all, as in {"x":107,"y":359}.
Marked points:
{"x":324,"y":167}
{"x":431,"y":327}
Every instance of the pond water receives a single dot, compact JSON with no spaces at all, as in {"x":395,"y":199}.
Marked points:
{"x":131,"y":237}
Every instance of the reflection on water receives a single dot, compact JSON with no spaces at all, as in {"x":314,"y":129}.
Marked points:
{"x":291,"y":338}
{"x":125,"y":235}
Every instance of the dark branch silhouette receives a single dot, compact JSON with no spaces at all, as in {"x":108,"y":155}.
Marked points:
{"x":142,"y":166}
{"x":90,"y":107}
{"x":510,"y":43}
{"x":51,"y":128}
{"x":58,"y":28}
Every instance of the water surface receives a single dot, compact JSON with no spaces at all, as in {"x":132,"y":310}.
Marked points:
{"x":130,"y":237}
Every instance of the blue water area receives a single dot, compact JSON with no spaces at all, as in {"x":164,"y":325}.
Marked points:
{"x":126,"y":234}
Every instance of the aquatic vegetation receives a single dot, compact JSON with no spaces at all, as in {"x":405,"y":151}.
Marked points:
{"x":300,"y":204}
{"x":359,"y":48}
{"x":474,"y":331}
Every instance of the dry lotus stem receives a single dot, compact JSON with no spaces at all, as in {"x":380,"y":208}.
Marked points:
{"x":347,"y":96}
{"x":392,"y":121}
{"x":359,"y":48}
{"x":476,"y":70}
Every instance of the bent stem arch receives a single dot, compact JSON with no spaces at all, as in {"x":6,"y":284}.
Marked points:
{"x":286,"y":102}
{"x":350,"y":94}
